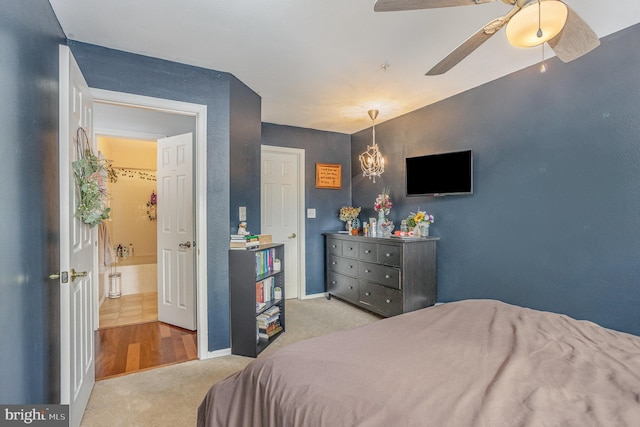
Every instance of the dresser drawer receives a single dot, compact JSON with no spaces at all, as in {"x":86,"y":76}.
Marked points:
{"x":381,"y":274}
{"x":390,"y":255}
{"x":343,"y":265}
{"x":343,"y":286}
{"x":334,"y":247}
{"x":350,"y":249}
{"x":384,"y":299}
{"x":368,"y":252}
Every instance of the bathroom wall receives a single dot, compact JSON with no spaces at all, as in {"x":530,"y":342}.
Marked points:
{"x":134,"y":162}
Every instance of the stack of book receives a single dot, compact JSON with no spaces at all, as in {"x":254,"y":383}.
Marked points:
{"x":264,"y":292}
{"x":269,"y":323}
{"x":264,"y":261}
{"x":242,"y":241}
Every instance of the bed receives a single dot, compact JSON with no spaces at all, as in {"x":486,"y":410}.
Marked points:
{"x":467,"y":363}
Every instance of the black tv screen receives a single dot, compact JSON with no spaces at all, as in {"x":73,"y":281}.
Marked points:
{"x":440,"y":174}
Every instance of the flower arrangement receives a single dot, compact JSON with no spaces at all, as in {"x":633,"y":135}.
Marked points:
{"x":419,"y":217}
{"x":348,"y":213}
{"x":383,"y":202}
{"x":91,"y":174}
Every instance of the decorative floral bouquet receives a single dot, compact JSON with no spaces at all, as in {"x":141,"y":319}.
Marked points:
{"x":383,"y":202}
{"x":91,"y":177}
{"x":348,"y":213}
{"x":419,"y":217}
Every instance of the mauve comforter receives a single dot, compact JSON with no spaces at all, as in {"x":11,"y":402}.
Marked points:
{"x":468,"y":363}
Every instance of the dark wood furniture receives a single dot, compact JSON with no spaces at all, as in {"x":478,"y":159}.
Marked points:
{"x":244,"y":274}
{"x":388,"y":276}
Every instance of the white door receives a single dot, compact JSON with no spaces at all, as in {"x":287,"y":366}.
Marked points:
{"x":280,"y":210}
{"x":77,"y":241}
{"x":176,"y":288}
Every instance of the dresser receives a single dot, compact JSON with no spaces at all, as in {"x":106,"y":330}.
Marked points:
{"x":388,"y":276}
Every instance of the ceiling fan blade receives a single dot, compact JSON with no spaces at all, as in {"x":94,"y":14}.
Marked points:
{"x":575,"y":39}
{"x":471,"y":44}
{"x":394,"y":5}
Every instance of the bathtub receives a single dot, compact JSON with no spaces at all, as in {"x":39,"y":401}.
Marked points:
{"x":139,"y":274}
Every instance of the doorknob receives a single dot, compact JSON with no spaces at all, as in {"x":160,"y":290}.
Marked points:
{"x":187,"y":244}
{"x":63,"y":276}
{"x":75,"y":274}
{"x":292,"y":236}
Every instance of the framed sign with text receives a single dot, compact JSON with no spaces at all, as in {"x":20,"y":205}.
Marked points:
{"x":329,"y":176}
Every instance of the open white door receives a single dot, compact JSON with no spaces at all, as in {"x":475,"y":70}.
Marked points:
{"x":280,"y":210}
{"x":176,"y":289}
{"x":77,"y":242}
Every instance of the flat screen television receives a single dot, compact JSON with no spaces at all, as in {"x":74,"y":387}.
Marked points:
{"x":440,"y":174}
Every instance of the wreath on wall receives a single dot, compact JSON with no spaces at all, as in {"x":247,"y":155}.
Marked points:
{"x":91,"y":172}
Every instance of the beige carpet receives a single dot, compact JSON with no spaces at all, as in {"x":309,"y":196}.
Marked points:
{"x":170,"y":396}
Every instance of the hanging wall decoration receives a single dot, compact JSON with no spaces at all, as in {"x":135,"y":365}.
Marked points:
{"x":151,"y":206}
{"x":90,"y":172}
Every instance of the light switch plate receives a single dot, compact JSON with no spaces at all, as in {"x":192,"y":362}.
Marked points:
{"x":311,"y":213}
{"x":242,"y":213}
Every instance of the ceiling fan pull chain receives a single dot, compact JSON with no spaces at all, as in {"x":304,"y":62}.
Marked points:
{"x":539,"y":33}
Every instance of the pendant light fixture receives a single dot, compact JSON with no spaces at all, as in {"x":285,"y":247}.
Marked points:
{"x":371,"y":161}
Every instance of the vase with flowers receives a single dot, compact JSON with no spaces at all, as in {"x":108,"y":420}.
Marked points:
{"x":420,"y":222}
{"x":382,"y":205}
{"x":349,"y":215}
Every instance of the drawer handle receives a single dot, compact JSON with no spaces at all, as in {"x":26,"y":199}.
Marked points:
{"x":350,"y":249}
{"x":367,"y":271}
{"x":350,"y":287}
{"x":351,"y":266}
{"x":388,"y":301}
{"x":386,"y":276}
{"x":367,"y":251}
{"x":334,"y":282}
{"x":367,"y":293}
{"x":388,"y":254}
{"x":334,"y":246}
{"x":333,"y":262}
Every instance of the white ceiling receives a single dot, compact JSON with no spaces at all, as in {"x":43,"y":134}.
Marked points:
{"x":317,"y":64}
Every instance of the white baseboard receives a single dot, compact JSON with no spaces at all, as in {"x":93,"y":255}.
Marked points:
{"x":321,"y":295}
{"x":218,"y":353}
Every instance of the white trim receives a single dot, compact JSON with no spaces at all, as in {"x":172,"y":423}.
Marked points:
{"x":147,"y":136}
{"x":218,"y":353}
{"x":320,"y":295}
{"x":302,"y":245}
{"x":200,"y":154}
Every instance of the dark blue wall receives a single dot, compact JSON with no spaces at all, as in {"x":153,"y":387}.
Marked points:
{"x":29,"y":221}
{"x":554,"y":221}
{"x":320,"y":147}
{"x":244,"y":156}
{"x":124,"y":72}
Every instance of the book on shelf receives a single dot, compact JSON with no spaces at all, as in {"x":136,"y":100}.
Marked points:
{"x":264,"y":290}
{"x":241,"y":241}
{"x":264,"y":261}
{"x":269,"y":315}
{"x":272,"y":311}
{"x":266,"y":321}
{"x":267,"y":335}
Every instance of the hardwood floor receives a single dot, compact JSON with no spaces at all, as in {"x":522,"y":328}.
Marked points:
{"x":129,"y":309}
{"x":127,"y":349}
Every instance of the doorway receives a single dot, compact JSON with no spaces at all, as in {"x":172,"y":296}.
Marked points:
{"x":120,"y":113}
{"x":282,"y":212}
{"x":127,"y":263}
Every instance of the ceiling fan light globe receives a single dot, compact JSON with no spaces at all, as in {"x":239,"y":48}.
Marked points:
{"x":522,"y":29}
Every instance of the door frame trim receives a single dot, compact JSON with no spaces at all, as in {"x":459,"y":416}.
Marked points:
{"x":200,"y":181}
{"x":302,"y":241}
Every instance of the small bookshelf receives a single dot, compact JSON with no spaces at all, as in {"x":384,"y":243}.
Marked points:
{"x":257,"y":310}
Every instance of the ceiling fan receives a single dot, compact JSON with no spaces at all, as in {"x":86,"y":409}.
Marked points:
{"x":529,"y":23}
